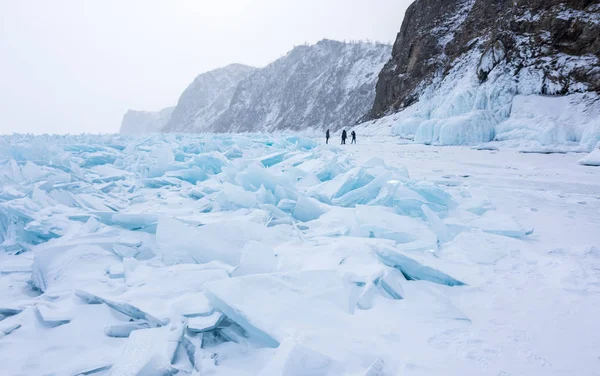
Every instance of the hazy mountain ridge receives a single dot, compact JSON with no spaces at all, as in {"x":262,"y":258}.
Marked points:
{"x":206,"y":98}
{"x":327,"y":85}
{"x":139,"y":122}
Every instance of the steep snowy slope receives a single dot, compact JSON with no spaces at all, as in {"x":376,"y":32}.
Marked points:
{"x":327,"y":85}
{"x":139,"y":122}
{"x":206,"y":98}
{"x":460,"y":68}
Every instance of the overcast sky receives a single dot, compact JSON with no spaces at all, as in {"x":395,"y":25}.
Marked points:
{"x":74,"y":66}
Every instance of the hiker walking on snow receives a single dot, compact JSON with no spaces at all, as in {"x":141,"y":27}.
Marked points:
{"x":327,"y":137}
{"x":344,"y":137}
{"x":353,"y":134}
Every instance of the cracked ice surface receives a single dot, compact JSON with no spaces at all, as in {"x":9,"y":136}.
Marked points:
{"x":228,"y":255}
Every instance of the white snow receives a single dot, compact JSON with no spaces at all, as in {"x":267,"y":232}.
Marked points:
{"x":592,"y":159}
{"x":279,"y":255}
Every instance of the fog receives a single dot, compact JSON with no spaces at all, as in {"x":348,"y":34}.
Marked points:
{"x":74,"y":66}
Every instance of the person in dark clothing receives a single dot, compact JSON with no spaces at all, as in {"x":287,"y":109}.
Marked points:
{"x":327,"y":137}
{"x":353,"y":134}
{"x":344,"y":137}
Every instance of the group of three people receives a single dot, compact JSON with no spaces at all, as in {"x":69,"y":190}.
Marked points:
{"x":344,"y":137}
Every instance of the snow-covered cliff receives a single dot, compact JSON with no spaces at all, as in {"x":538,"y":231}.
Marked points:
{"x":472,"y":71}
{"x":328,"y":85}
{"x":206,"y":99}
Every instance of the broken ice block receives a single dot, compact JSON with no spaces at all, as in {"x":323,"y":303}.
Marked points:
{"x":93,"y":370}
{"x":59,"y":268}
{"x":223,"y":241}
{"x":147,"y":352}
{"x":116,"y":271}
{"x":52,"y":317}
{"x":293,"y":359}
{"x":124,"y":308}
{"x":392,"y":283}
{"x":199,"y":324}
{"x":272,"y":159}
{"x":366,"y":300}
{"x":297,"y":302}
{"x":192,"y":175}
{"x":256,"y":258}
{"x":413,"y":270}
{"x":308,"y":209}
{"x":437,"y":225}
{"x":341,"y":184}
{"x":124,"y":330}
{"x":8,"y":329}
{"x":380,"y":222}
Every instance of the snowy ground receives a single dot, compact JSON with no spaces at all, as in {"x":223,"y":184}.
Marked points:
{"x":238,"y":255}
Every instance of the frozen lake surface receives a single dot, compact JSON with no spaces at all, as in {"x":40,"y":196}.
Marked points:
{"x":274,"y":255}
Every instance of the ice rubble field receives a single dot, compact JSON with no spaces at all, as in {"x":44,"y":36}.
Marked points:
{"x":265,"y":255}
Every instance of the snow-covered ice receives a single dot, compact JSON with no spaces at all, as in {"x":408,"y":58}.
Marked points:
{"x":278,"y":255}
{"x":592,"y":159}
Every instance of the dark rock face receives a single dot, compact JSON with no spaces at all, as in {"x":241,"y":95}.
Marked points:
{"x":555,"y":40}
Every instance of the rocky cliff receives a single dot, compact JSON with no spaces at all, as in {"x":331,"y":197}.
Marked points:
{"x":457,"y":67}
{"x":553,"y":45}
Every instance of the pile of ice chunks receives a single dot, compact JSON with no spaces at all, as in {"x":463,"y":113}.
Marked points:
{"x":172,"y":253}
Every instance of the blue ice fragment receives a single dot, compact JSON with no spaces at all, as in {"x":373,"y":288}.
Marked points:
{"x":307,"y":209}
{"x":199,"y":324}
{"x":302,"y":142}
{"x":196,"y":194}
{"x":124,"y":308}
{"x":433,"y":194}
{"x":392,"y":283}
{"x":7,"y":312}
{"x":50,"y":322}
{"x":234,"y":333}
{"x":363,"y":195}
{"x":210,"y":164}
{"x":82,"y":148}
{"x":413,"y":270}
{"x":238,"y":317}
{"x":108,"y":179}
{"x":8,"y":330}
{"x":133,"y":222}
{"x":192,"y":175}
{"x":234,"y":153}
{"x":356,"y":180}
{"x":98,"y":160}
{"x":437,"y":225}
{"x":272,"y":159}
{"x":160,"y":182}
